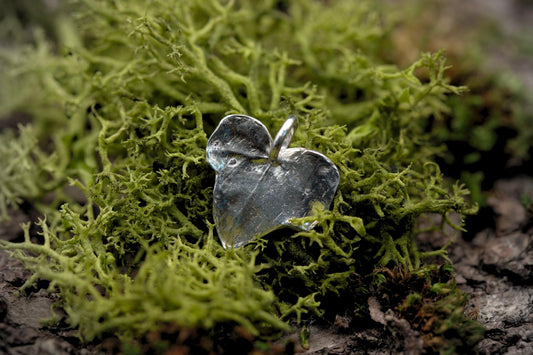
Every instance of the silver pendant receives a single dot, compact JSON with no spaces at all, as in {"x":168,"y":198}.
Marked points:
{"x":261,"y":184}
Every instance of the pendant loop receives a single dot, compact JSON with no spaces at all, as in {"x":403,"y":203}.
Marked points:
{"x":284,"y":137}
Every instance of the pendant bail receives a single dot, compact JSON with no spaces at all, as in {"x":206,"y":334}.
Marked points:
{"x":284,"y":137}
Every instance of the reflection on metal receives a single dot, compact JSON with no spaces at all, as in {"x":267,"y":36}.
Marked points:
{"x":262,"y":184}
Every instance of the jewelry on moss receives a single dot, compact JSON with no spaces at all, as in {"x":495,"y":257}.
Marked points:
{"x":262,"y":184}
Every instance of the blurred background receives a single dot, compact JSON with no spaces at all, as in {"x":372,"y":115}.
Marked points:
{"x":486,"y":134}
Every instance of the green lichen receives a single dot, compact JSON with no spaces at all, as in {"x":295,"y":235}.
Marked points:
{"x":125,"y":114}
{"x":17,"y":176}
{"x":490,"y":127}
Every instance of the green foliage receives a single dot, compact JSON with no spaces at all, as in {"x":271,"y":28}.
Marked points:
{"x":199,"y":286}
{"x":126,"y":113}
{"x":18,"y":175}
{"x":496,"y":105}
{"x":489,"y":128}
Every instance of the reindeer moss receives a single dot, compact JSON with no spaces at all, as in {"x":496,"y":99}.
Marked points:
{"x":123,"y":110}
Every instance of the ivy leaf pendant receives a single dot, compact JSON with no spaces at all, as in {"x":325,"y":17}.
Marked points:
{"x":261,"y":184}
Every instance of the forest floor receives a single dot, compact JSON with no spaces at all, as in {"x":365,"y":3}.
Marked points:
{"x":493,"y":262}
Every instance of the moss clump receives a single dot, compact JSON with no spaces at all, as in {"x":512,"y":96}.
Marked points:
{"x":17,"y":177}
{"x":488,"y":130}
{"x":124,"y":109}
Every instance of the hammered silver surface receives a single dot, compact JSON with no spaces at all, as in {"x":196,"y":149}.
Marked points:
{"x":255,"y":193}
